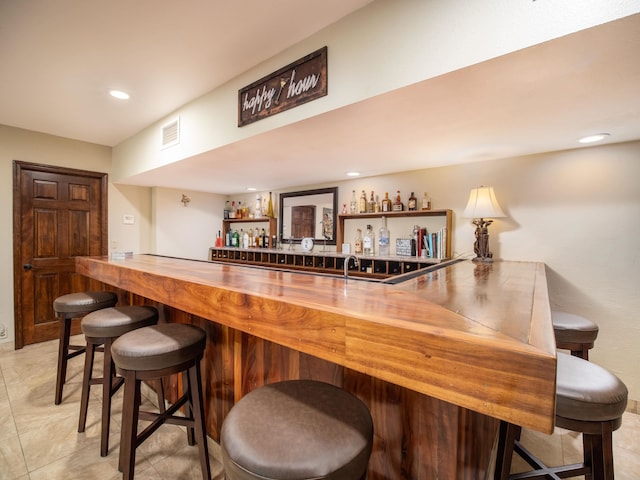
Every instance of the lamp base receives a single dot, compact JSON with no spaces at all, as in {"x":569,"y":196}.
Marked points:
{"x":482,"y":259}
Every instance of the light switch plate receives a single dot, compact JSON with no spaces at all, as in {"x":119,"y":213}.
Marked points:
{"x":127,"y":219}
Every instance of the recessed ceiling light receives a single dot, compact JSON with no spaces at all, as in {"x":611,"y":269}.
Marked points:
{"x":119,"y":94}
{"x":593,"y":138}
{"x":353,"y":174}
{"x":251,"y":189}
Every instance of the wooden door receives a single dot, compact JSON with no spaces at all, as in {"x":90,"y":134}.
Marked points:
{"x":58,"y":214}
{"x":303,"y":221}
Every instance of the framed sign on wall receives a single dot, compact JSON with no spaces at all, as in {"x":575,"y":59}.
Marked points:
{"x":297,"y":83}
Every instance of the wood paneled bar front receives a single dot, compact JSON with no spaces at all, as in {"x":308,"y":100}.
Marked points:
{"x":439,"y":358}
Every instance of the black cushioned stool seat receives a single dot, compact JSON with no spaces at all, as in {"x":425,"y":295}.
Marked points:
{"x":66,"y":308}
{"x":150,"y":353}
{"x":590,"y":400}
{"x":574,"y":332}
{"x":102,"y":327}
{"x":297,"y":430}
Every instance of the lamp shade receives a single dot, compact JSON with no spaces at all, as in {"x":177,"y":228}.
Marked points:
{"x":483,"y":204}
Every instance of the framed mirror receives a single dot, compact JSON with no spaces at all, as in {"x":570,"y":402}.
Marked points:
{"x":309,"y":214}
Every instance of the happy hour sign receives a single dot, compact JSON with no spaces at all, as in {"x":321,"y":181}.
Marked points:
{"x":297,"y":83}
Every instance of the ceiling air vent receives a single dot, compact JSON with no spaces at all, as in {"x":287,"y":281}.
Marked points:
{"x":171,"y":133}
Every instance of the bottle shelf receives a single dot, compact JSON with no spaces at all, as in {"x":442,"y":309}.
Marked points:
{"x":399,"y":223}
{"x":321,"y":262}
{"x":236,"y":222}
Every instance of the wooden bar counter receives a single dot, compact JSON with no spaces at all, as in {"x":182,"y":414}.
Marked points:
{"x":438,"y":358}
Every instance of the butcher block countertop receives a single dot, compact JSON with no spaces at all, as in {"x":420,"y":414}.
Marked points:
{"x":476,"y":335}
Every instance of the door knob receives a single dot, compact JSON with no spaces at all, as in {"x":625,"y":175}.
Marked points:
{"x":27,"y":267}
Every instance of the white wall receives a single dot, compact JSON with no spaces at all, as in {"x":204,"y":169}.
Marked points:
{"x":189,"y":231}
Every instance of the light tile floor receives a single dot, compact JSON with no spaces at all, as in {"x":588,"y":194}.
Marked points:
{"x":39,"y":440}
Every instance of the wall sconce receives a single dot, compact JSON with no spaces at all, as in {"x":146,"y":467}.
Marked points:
{"x":482,"y":203}
{"x":185,"y":200}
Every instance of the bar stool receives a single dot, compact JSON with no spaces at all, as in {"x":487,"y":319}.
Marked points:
{"x":150,"y":353}
{"x":102,"y":327}
{"x":590,"y":400}
{"x":574,"y":333}
{"x":295,"y":430}
{"x":68,"y":307}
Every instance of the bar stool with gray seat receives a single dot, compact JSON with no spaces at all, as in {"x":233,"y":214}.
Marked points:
{"x":67,"y":307}
{"x":102,"y":327}
{"x":297,"y":430}
{"x":574,"y":332}
{"x":590,"y":400}
{"x":150,"y":353}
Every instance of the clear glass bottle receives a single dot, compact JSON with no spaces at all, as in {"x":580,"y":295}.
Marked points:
{"x":426,"y":201}
{"x":257,"y":209}
{"x":358,"y":243}
{"x":383,"y":239}
{"x":371,"y":204}
{"x":368,"y":242}
{"x":362,"y":206}
{"x":353,"y":206}
{"x":412,"y":204}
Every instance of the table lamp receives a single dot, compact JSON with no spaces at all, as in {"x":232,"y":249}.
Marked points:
{"x":482,"y":204}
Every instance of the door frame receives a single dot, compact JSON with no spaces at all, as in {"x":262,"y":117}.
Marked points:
{"x":18,"y":167}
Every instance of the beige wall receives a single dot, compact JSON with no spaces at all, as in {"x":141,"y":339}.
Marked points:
{"x":577,"y":211}
{"x":187,"y":232}
{"x":27,"y":146}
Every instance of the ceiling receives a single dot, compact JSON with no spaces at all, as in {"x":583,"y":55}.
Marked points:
{"x":59,"y":59}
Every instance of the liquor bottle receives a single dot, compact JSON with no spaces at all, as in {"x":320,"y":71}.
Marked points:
{"x":358,"y":242}
{"x":219,"y":239}
{"x":250,"y":239}
{"x":235,"y":239}
{"x":398,"y":206}
{"x":232,"y":212}
{"x":386,"y":203}
{"x":362,"y":206}
{"x":245,"y":239}
{"x":270,"y":208}
{"x":412,"y":204}
{"x":227,"y":238}
{"x":257,"y":209}
{"x":377,"y":205}
{"x":353,"y":206}
{"x":371,"y":204}
{"x":426,"y":201}
{"x":227,"y":207}
{"x":239,"y":209}
{"x":368,"y":241}
{"x":383,"y":239}
{"x":264,"y":239}
{"x":245,"y":210}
